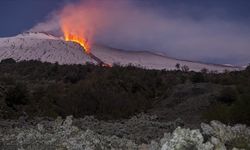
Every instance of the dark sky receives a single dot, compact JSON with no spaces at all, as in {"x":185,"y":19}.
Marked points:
{"x":20,"y":15}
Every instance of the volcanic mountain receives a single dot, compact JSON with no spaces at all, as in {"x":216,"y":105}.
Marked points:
{"x":47,"y":48}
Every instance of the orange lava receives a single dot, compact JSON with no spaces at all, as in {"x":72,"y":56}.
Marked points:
{"x":107,"y":65}
{"x":78,"y":39}
{"x":76,"y":25}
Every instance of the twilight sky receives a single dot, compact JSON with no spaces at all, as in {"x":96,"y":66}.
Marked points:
{"x":216,"y":31}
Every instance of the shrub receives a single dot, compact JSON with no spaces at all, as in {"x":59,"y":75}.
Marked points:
{"x":185,"y":68}
{"x":240,"y":142}
{"x":240,"y":110}
{"x":248,"y":68}
{"x":218,"y":112}
{"x":71,"y":77}
{"x":198,"y":78}
{"x":113,"y":92}
{"x":17,"y":95}
{"x":228,"y":95}
{"x":204,"y":70}
{"x":177,"y":66}
{"x":8,"y":61}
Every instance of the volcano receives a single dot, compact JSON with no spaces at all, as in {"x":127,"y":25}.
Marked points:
{"x":42,"y":47}
{"x":47,"y":48}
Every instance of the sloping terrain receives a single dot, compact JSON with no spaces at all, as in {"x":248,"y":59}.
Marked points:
{"x":144,"y":109}
{"x":42,"y":47}
{"x":150,"y":60}
{"x":47,"y":48}
{"x":187,"y":102}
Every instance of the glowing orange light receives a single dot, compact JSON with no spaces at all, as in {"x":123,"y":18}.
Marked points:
{"x":107,"y":65}
{"x":74,"y":37}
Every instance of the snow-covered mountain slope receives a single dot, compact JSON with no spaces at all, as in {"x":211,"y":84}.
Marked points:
{"x":43,"y":47}
{"x":47,"y":48}
{"x":150,"y":60}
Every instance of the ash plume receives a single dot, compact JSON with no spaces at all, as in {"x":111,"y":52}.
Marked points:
{"x":51,"y":25}
{"x":127,"y":25}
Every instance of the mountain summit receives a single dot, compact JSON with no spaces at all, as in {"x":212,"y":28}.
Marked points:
{"x":47,"y":48}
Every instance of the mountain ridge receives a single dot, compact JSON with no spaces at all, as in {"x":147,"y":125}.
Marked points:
{"x":48,"y":48}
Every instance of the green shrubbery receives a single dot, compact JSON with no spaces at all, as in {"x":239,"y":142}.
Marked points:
{"x":237,"y":112}
{"x":52,"y":89}
{"x":228,"y":95}
{"x":44,"y":89}
{"x":17,"y":95}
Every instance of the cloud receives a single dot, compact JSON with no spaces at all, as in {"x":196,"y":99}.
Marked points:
{"x":123,"y":24}
{"x":50,"y":25}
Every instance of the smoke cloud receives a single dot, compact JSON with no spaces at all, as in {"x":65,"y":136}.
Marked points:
{"x":125,"y":25}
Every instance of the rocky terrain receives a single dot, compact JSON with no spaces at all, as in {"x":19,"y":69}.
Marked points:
{"x":140,"y":132}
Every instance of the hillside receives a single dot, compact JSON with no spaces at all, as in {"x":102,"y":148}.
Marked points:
{"x":47,"y":48}
{"x":151,"y":60}
{"x":44,"y":89}
{"x":129,"y":107}
{"x":42,"y":47}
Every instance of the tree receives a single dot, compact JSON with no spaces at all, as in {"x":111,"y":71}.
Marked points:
{"x":177,"y":66}
{"x":204,"y":70}
{"x":185,"y":68}
{"x":248,"y":68}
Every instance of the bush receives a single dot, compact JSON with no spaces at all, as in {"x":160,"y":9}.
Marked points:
{"x":240,"y":142}
{"x":198,"y":78}
{"x":115,"y":92}
{"x":17,"y":95}
{"x":219,"y":112}
{"x":228,"y":95}
{"x":248,"y":68}
{"x":8,"y":61}
{"x":185,"y":68}
{"x":240,"y":111}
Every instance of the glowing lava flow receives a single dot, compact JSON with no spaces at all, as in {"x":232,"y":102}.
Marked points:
{"x":78,"y":38}
{"x":74,"y":38}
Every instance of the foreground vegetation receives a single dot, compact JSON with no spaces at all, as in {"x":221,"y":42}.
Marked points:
{"x":34,"y":88}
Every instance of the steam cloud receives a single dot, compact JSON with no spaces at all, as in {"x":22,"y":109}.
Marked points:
{"x":125,"y":25}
